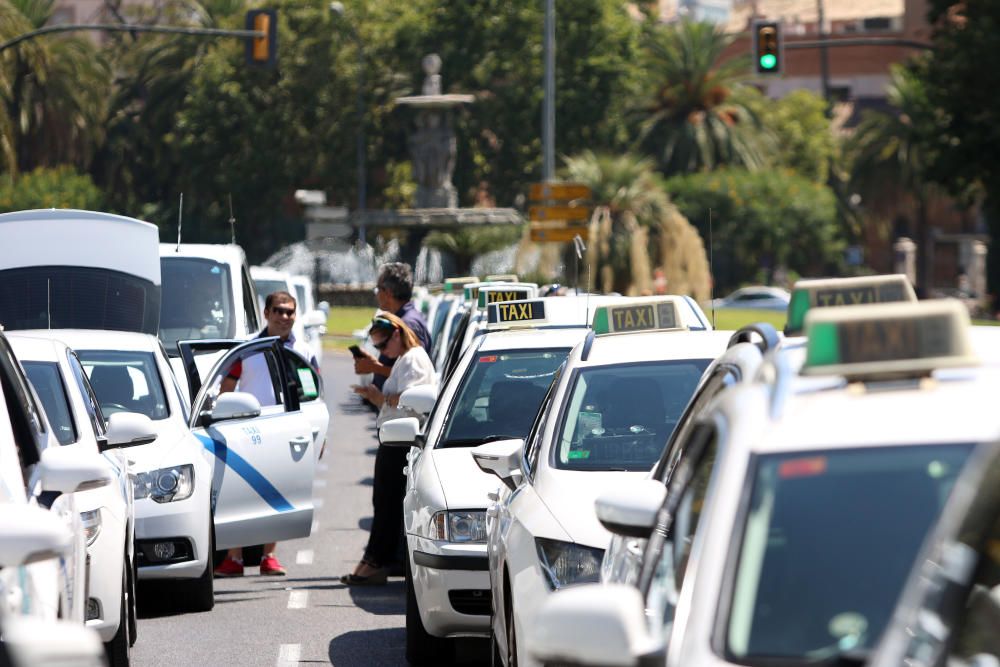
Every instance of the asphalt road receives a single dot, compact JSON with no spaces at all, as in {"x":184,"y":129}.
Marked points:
{"x":308,"y":617}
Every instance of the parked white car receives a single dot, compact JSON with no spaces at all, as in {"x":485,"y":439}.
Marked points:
{"x":107,"y":513}
{"x":313,"y":315}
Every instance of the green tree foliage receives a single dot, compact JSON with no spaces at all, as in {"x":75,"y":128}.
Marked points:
{"x":635,"y":227}
{"x":804,"y":140}
{"x":59,"y":187}
{"x":761,"y":221}
{"x":691,"y":121}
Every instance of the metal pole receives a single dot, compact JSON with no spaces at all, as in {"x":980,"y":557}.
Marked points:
{"x":361,"y":147}
{"x":549,"y":105}
{"x":824,"y":61}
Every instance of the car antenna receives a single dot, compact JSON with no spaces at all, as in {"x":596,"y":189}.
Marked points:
{"x":48,"y":301}
{"x":180,"y":219}
{"x":711,"y":267}
{"x":580,"y":248}
{"x":232,"y":219}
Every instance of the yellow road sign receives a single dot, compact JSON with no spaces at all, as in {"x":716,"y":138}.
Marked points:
{"x":558,"y":191}
{"x":557,"y":234}
{"x":546,"y":213}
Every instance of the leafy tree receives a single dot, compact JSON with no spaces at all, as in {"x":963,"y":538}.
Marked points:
{"x":59,"y":187}
{"x":761,"y":221}
{"x":691,"y":120}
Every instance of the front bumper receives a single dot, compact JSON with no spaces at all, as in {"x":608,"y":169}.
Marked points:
{"x":452,"y":586}
{"x":184,"y":521}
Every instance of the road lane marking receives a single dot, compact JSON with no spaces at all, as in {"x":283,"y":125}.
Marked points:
{"x":289,"y":655}
{"x":315,"y":527}
{"x":304,"y":557}
{"x":298,"y":599}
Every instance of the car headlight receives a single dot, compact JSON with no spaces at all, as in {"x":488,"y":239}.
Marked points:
{"x":91,"y":521}
{"x":566,"y":563}
{"x":166,"y":484}
{"x":465,"y":526}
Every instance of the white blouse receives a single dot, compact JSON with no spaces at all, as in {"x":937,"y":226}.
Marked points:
{"x":412,"y":369}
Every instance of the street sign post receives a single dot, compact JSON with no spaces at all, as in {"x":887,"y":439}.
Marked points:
{"x":559,"y":211}
{"x":558,"y":191}
{"x":547,"y":213}
{"x":557,"y":234}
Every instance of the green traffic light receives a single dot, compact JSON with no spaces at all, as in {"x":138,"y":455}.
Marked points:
{"x":768,"y":61}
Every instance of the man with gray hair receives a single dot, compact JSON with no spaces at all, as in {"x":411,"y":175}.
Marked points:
{"x":394,"y":291}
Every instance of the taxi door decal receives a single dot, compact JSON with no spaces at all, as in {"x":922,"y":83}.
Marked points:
{"x":244,"y":469}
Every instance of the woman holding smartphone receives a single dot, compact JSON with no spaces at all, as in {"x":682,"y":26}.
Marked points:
{"x":412,"y":367}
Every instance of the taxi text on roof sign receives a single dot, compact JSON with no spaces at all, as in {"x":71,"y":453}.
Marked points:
{"x":824,"y":293}
{"x":644,"y":316}
{"x":887,"y":341}
{"x":488,"y":295}
{"x":452,"y":284}
{"x":516,"y":311}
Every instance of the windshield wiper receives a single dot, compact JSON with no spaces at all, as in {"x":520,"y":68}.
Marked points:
{"x":471,"y":442}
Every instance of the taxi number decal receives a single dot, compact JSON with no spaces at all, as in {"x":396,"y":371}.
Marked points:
{"x":896,"y":339}
{"x":508,"y":295}
{"x":859,"y":295}
{"x":254,"y":434}
{"x":521,"y":312}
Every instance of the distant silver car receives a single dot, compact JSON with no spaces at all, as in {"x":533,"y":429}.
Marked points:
{"x":758,"y":297}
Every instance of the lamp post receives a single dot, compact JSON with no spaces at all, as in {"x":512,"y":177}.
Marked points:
{"x":337,"y":9}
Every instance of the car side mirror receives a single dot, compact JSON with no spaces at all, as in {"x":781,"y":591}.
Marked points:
{"x":128,"y":429}
{"x":235,"y":405}
{"x":31,"y":534}
{"x":68,"y":470}
{"x":403,"y":432}
{"x":420,"y":399}
{"x":593,"y":624}
{"x":314,"y":318}
{"x":631,"y":511}
{"x":501,"y":458}
{"x":325,"y":307}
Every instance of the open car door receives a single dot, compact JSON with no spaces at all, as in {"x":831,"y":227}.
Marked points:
{"x":310,"y":391}
{"x":263,"y":479}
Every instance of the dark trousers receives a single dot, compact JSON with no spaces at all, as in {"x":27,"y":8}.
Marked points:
{"x":388,"y":489}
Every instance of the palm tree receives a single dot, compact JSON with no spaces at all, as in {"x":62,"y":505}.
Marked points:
{"x":691,"y":120}
{"x":465,"y":245}
{"x":52,"y":92}
{"x":891,"y":153}
{"x":635,"y":226}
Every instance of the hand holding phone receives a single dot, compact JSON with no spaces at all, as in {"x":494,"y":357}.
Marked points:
{"x":356,"y":351}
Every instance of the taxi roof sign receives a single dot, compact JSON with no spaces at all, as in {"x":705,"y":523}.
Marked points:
{"x":826,"y":292}
{"x":888,"y":341}
{"x":471,"y":290}
{"x":502,"y":315}
{"x":453,"y":284}
{"x":637,"y":315}
{"x":502,"y":278}
{"x":508,"y":292}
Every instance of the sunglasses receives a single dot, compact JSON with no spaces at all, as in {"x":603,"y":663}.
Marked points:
{"x":287,"y":312}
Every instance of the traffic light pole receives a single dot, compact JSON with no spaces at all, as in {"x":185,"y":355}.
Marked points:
{"x":125,"y":27}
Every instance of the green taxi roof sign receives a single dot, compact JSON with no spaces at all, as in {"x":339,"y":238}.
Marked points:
{"x":822,"y":293}
{"x":506,"y":315}
{"x":887,"y":341}
{"x":637,"y":315}
{"x":455,"y":284}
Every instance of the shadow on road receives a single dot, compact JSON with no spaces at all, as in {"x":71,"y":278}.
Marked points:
{"x":365,"y":523}
{"x":364,"y":648}
{"x":367,"y":481}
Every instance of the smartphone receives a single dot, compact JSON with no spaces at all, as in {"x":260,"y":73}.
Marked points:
{"x":356,"y":351}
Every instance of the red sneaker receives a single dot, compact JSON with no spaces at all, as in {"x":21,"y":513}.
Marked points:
{"x":229,"y":568}
{"x":270,"y":565}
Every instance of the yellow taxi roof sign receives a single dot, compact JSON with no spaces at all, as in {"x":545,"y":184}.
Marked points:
{"x":888,"y":341}
{"x":505,"y":292}
{"x":826,"y":292}
{"x":644,"y":314}
{"x":471,"y":290}
{"x":509,"y":314}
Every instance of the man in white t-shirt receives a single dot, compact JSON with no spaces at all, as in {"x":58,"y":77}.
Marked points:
{"x":252,"y":376}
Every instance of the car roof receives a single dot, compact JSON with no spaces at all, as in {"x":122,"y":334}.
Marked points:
{"x":34,"y":345}
{"x":826,"y":412}
{"x":269,"y":273}
{"x":226,"y":253}
{"x":653,"y":346}
{"x":514,"y":339}
{"x":92,"y":339}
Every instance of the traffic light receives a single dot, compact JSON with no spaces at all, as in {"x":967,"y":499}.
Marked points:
{"x":262,"y":51}
{"x":767,"y":47}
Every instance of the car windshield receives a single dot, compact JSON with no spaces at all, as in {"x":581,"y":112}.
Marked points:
{"x":828,"y":542}
{"x":265,"y":287}
{"x":619,"y":417}
{"x":197,"y":300}
{"x":77,"y":297}
{"x":126,"y":382}
{"x":500,"y":396}
{"x":47,"y":381}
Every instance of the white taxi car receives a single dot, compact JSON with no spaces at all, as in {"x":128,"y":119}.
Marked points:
{"x":77,"y":421}
{"x":313,"y":315}
{"x":604,"y":423}
{"x":493,"y":394}
{"x":790,"y":531}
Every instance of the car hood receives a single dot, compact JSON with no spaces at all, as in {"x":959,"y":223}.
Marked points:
{"x":570,"y":496}
{"x":464,"y":485}
{"x":174,"y":445}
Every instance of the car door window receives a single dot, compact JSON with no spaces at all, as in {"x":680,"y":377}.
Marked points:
{"x":672,"y":548}
{"x":249,"y":302}
{"x":976,"y":631}
{"x":307,"y":381}
{"x":722,"y":377}
{"x":534,"y":440}
{"x":47,"y":381}
{"x":25,"y":415}
{"x":256,"y":373}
